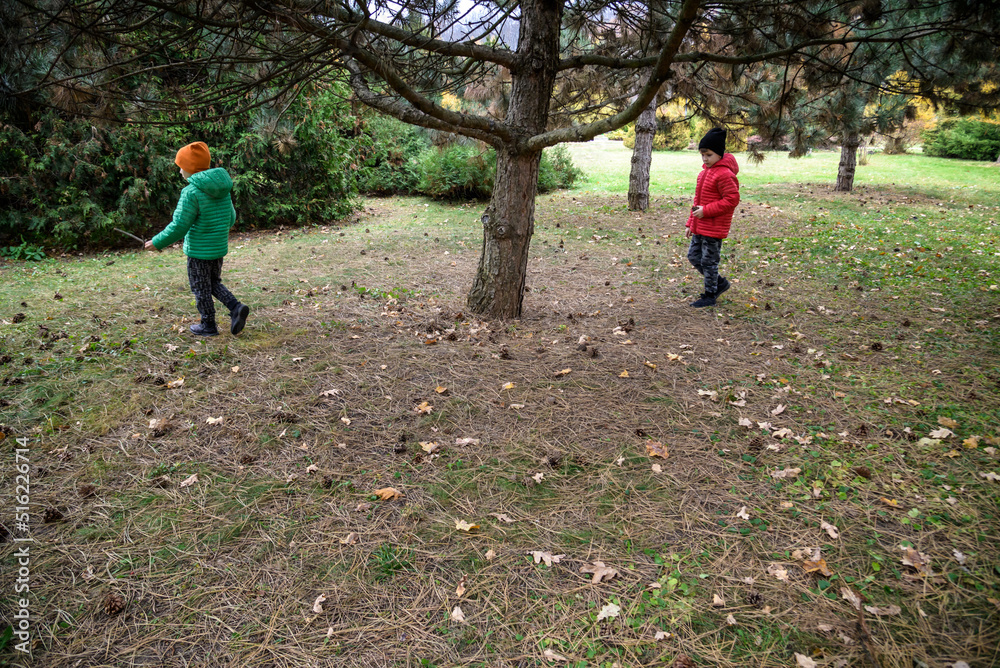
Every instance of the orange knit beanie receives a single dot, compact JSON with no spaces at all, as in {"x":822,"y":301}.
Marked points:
{"x":194,"y":158}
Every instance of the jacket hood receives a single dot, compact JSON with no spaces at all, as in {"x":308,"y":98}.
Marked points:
{"x":213,"y":182}
{"x":728,"y":161}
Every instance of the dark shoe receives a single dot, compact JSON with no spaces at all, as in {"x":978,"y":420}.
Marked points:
{"x":706,"y":299}
{"x":722,"y":287}
{"x":240,"y":314}
{"x":201,"y":329}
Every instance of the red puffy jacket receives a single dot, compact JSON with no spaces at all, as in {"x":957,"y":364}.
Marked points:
{"x":718,"y":193}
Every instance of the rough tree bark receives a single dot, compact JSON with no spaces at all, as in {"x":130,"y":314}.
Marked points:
{"x":848,"y":161}
{"x":509,"y":220}
{"x":642,"y":159}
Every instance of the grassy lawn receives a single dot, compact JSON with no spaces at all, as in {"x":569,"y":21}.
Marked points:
{"x":829,"y":488}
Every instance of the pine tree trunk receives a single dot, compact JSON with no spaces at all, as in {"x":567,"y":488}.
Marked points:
{"x":509,"y":221}
{"x":848,"y":161}
{"x":508,"y":224}
{"x":642,"y":159}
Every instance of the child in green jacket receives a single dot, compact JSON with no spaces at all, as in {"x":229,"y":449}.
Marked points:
{"x":203,"y":217}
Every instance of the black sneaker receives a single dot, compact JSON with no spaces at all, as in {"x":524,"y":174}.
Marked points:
{"x":240,"y":314}
{"x":722,"y":287}
{"x":706,"y":299}
{"x":201,"y":329}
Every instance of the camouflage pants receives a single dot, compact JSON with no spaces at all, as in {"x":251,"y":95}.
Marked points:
{"x":704,"y":254}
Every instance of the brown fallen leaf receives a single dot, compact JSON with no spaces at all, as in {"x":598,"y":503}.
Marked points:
{"x":563,"y":372}
{"x":718,"y":601}
{"x":947,"y":422}
{"x":363,"y":506}
{"x":423,"y":408}
{"x":830,"y":529}
{"x":318,"y":604}
{"x":803,"y":661}
{"x":491,"y":554}
{"x":920,"y":562}
{"x":502,"y":517}
{"x":600,"y":571}
{"x":552,"y":656}
{"x":852,"y":598}
{"x":609,"y":611}
{"x":460,"y":589}
{"x":457,"y":614}
{"x":778,"y":572}
{"x":187,"y":482}
{"x":442,"y":390}
{"x":656,"y":449}
{"x":176,"y":383}
{"x":430,"y":447}
{"x":349,"y":539}
{"x":884,"y":612}
{"x":388,"y":493}
{"x":547,"y":557}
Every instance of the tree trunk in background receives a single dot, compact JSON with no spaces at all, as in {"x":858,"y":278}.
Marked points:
{"x":508,"y":223}
{"x":848,"y":161}
{"x":509,"y":220}
{"x":642,"y":159}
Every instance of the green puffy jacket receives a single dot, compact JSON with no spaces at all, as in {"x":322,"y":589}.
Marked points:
{"x":203,"y":216}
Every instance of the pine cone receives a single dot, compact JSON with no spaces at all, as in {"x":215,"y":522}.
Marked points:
{"x":755,"y":599}
{"x":51,"y":515}
{"x":683,"y":661}
{"x":86,"y":491}
{"x":113,"y":605}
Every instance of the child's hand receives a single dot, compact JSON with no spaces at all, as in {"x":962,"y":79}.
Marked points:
{"x":698,"y":212}
{"x":149,"y":246}
{"x":688,"y":233}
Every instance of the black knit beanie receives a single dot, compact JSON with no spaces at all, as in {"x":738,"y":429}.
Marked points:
{"x":715,"y":141}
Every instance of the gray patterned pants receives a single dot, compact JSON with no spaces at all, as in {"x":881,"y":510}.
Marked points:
{"x":205,"y":277}
{"x":704,"y":253}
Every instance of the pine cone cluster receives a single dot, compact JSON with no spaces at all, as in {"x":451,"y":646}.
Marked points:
{"x":755,"y":599}
{"x":113,"y":605}
{"x":683,"y":661}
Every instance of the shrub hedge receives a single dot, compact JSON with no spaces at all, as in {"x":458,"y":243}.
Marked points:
{"x":68,"y":182}
{"x":965,"y":138}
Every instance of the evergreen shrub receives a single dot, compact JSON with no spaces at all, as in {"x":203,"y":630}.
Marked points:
{"x":964,"y":138}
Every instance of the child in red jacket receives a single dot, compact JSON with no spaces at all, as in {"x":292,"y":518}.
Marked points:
{"x":716,"y":197}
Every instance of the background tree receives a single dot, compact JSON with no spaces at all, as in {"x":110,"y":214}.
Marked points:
{"x":566,"y":53}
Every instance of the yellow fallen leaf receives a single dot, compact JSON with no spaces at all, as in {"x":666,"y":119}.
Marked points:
{"x":947,"y":422}
{"x":423,"y":408}
{"x":890,"y":502}
{"x":430,"y":447}
{"x":818,"y":566}
{"x":951,"y":454}
{"x":440,"y":389}
{"x":623,"y":374}
{"x":656,"y":449}
{"x":508,"y":386}
{"x":971,"y":442}
{"x":388,"y":493}
{"x":563,"y":372}
{"x":673,"y":358}
{"x":462,"y":525}
{"x":650,"y":365}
